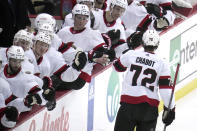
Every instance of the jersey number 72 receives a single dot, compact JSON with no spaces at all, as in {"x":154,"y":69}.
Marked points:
{"x":149,"y":76}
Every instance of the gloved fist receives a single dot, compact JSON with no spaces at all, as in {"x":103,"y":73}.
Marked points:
{"x":155,"y":9}
{"x":135,"y":40}
{"x":114,"y":35}
{"x":168,"y":116}
{"x":1,"y":30}
{"x":79,"y":61}
{"x":32,"y":99}
{"x":161,"y":24}
{"x":49,"y":94}
{"x":51,"y":105}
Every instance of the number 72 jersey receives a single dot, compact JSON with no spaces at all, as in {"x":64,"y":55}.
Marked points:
{"x":146,"y":74}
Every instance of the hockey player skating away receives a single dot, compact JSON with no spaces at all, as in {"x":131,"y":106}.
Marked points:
{"x":106,"y":21}
{"x":163,"y":12}
{"x":147,"y":74}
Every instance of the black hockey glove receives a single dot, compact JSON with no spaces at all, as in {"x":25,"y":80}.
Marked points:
{"x":114,"y":35}
{"x":135,"y":40}
{"x":79,"y":61}
{"x":168,"y":116}
{"x":51,"y":105}
{"x":112,"y":55}
{"x":11,"y":113}
{"x":32,"y":99}
{"x":155,"y":9}
{"x":49,"y":94}
{"x":161,"y":24}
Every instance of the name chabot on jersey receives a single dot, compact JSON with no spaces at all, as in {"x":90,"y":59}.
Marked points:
{"x":145,"y":61}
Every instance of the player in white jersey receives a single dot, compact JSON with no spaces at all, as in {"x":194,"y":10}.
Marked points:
{"x":146,"y":75}
{"x":23,"y":85}
{"x":106,"y":21}
{"x":8,"y":114}
{"x":69,"y":19}
{"x":24,"y":39}
{"x":90,"y":40}
{"x":162,"y":10}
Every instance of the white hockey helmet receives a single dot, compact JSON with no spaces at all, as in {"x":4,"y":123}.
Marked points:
{"x":43,"y":37}
{"x":24,"y":35}
{"x":121,"y":3}
{"x":79,"y":1}
{"x":151,"y":38}
{"x":81,"y":9}
{"x":46,"y":28}
{"x":16,"y":52}
{"x":44,"y":18}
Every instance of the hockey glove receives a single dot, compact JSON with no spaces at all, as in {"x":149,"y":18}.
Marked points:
{"x":161,"y":24}
{"x":111,"y":55}
{"x":51,"y":105}
{"x":32,"y":99}
{"x":135,"y":40}
{"x":114,"y":35}
{"x":79,"y":61}
{"x":9,"y":118}
{"x":155,"y":9}
{"x":168,"y":116}
{"x":49,"y":94}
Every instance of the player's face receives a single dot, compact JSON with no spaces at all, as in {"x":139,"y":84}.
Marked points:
{"x":117,"y":11}
{"x":14,"y":64}
{"x":40,"y":48}
{"x":22,"y":43}
{"x":88,"y":3}
{"x":80,"y":21}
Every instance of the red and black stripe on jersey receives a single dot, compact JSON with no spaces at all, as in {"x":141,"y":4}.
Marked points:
{"x":118,"y":66}
{"x":143,"y":26}
{"x":165,"y":82}
{"x":64,"y":47}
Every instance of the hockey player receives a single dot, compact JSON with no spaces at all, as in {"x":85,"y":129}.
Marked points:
{"x":162,"y":10}
{"x":24,"y":39}
{"x":23,"y":84}
{"x":69,"y":19}
{"x":95,"y":41}
{"x":106,"y":21}
{"x":100,"y":4}
{"x":147,"y":75}
{"x":59,"y":69}
{"x":8,"y":114}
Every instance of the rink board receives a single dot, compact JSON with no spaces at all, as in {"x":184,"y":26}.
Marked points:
{"x":94,"y":107}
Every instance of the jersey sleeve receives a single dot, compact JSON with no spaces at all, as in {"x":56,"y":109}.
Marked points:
{"x":165,"y":86}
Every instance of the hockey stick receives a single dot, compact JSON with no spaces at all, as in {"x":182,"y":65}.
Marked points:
{"x":173,"y":87}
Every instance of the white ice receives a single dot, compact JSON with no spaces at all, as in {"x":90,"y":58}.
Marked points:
{"x":186,"y":115}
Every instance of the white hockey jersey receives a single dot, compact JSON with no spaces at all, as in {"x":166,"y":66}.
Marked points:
{"x":26,"y":65}
{"x":135,"y":16}
{"x":146,"y":75}
{"x":170,"y":16}
{"x":103,"y":26}
{"x":41,"y":66}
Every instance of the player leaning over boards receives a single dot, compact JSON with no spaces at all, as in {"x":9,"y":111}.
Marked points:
{"x":139,"y":98}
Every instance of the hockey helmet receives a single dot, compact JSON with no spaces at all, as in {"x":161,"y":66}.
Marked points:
{"x":43,"y":37}
{"x":16,"y":52}
{"x":44,"y":18}
{"x":80,"y":9}
{"x":121,"y":3}
{"x":24,"y":35}
{"x":79,"y":1}
{"x":46,"y":28}
{"x":151,"y":38}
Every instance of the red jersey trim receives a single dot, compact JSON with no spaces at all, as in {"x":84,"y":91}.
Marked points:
{"x":139,"y":99}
